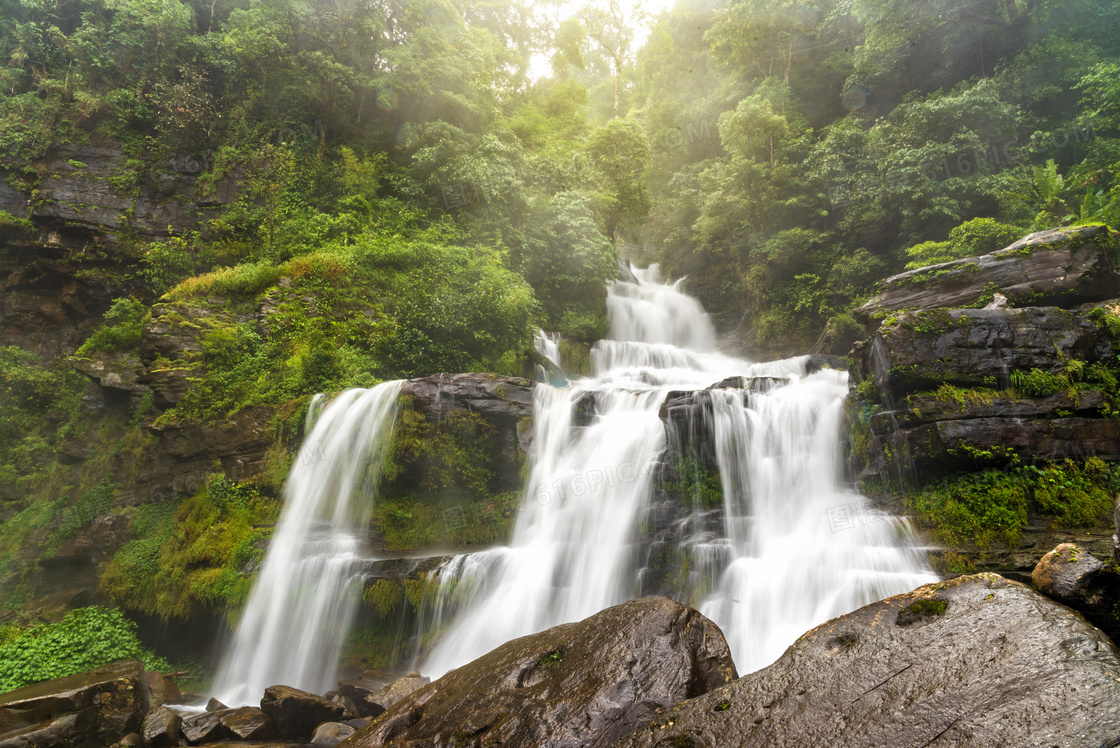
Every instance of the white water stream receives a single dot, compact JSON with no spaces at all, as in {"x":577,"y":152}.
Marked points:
{"x":304,"y":600}
{"x":796,"y":549}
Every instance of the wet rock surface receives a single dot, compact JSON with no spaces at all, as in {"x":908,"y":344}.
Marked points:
{"x":246,"y":723}
{"x":977,"y":661}
{"x":90,"y":710}
{"x":970,"y":347}
{"x":162,"y":728}
{"x":509,"y":397}
{"x":1061,"y":267}
{"x":581,"y":684}
{"x":295,"y":714}
{"x":204,"y":728}
{"x":1072,"y":576}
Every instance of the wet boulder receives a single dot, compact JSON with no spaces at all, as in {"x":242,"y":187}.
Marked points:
{"x":204,"y":728}
{"x":580,"y":684}
{"x":1074,"y":577}
{"x":1060,"y":267}
{"x":977,"y":661}
{"x":331,"y":733}
{"x":295,"y":714}
{"x":162,"y":728}
{"x":246,"y":723}
{"x":91,"y":710}
{"x":384,"y":698}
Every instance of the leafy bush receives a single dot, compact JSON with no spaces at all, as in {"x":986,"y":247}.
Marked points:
{"x":124,"y":325}
{"x":976,"y":237}
{"x":85,"y":639}
{"x":993,"y":506}
{"x":982,"y":236}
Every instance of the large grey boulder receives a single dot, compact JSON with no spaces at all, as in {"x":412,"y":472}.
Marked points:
{"x":89,"y":710}
{"x":580,"y":684}
{"x":978,"y":661}
{"x":1074,"y":577}
{"x":1061,"y":267}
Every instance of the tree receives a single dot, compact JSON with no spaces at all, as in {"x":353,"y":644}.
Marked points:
{"x":612,"y":26}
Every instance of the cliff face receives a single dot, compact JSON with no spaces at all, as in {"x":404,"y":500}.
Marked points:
{"x":996,"y":426}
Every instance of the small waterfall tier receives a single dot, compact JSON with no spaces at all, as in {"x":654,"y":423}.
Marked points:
{"x":304,"y":600}
{"x":792,"y":547}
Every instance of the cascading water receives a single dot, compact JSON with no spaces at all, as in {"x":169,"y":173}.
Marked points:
{"x":548,"y":345}
{"x":783,"y":564}
{"x":304,"y":600}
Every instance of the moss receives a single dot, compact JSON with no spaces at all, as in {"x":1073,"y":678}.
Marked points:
{"x":385,"y":595}
{"x":922,"y":611}
{"x":185,"y":558}
{"x":698,"y":481}
{"x":550,"y":661}
{"x":964,"y":398}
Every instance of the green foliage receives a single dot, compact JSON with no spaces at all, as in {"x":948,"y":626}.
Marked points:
{"x":39,"y":408}
{"x":384,"y":595}
{"x":698,"y":482}
{"x":1037,"y":383}
{"x":124,"y":325}
{"x":94,"y":503}
{"x":85,"y":639}
{"x":976,"y":237}
{"x":187,"y":558}
{"x":983,"y":508}
{"x":992,"y":506}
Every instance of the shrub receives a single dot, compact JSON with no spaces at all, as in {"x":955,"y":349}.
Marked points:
{"x":85,"y":639}
{"x":124,"y":325}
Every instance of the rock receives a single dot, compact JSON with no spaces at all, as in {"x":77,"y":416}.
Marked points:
{"x":331,"y":733}
{"x":131,"y":740}
{"x":1116,"y":537}
{"x":246,"y":723}
{"x":1074,"y":577}
{"x":162,"y":728}
{"x":89,"y":710}
{"x":1061,"y":267}
{"x":579,"y":684}
{"x":213,"y":705}
{"x":583,"y":410}
{"x":489,"y":394}
{"x":295,"y":714}
{"x":957,"y":443}
{"x":163,"y":689}
{"x":978,"y":661}
{"x":349,"y":706}
{"x":204,"y":728}
{"x":384,"y":698}
{"x":625,"y":273}
{"x":971,"y":347}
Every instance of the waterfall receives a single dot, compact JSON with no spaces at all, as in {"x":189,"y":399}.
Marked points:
{"x":783,"y":563}
{"x":304,"y":600}
{"x":548,"y":345}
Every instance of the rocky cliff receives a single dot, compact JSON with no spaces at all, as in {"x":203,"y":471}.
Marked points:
{"x":985,"y":399}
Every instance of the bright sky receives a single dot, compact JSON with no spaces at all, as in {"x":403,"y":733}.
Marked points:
{"x":540,"y":66}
